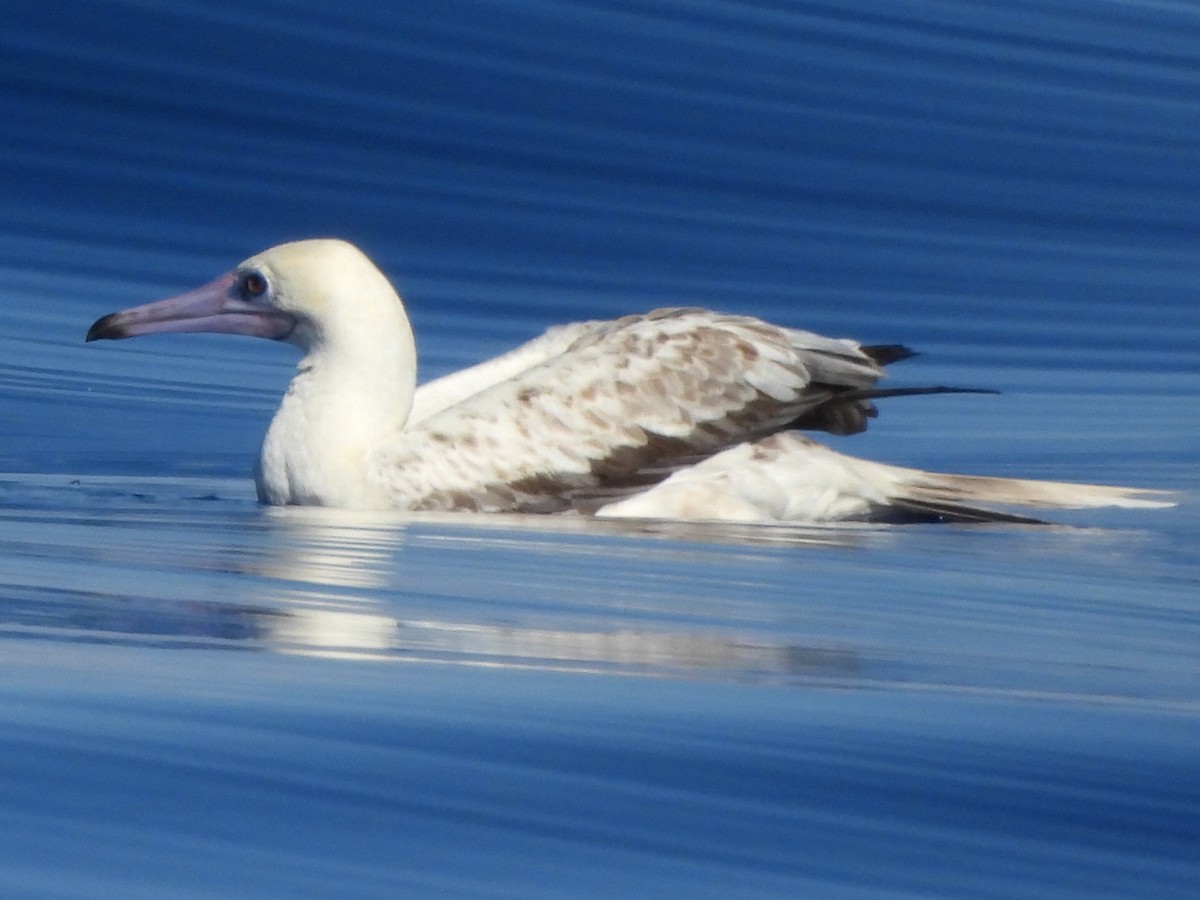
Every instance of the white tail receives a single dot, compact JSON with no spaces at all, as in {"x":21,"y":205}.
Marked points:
{"x":790,"y":478}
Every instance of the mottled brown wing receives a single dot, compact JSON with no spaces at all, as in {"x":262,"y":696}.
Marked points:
{"x":624,"y":406}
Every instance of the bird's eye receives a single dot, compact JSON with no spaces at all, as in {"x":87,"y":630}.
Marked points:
{"x":253,"y":284}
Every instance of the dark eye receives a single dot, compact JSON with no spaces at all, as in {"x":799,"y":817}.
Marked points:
{"x":252,"y":285}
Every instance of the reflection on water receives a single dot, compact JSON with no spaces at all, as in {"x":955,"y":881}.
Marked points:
{"x":324,"y":581}
{"x":342,"y":705}
{"x":797,"y":605}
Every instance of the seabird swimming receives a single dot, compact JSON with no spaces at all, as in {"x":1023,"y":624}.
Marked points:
{"x":674,"y":414}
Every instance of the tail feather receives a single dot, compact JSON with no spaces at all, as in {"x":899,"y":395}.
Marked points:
{"x":937,"y":488}
{"x":790,"y":478}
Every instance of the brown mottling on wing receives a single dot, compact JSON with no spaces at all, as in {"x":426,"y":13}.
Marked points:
{"x":448,"y":501}
{"x":746,"y":350}
{"x":628,"y":403}
{"x":596,"y":419}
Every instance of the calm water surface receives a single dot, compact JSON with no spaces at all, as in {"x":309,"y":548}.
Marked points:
{"x":200,"y":697}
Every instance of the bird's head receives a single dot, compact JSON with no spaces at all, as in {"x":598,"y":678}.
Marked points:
{"x":314,"y":294}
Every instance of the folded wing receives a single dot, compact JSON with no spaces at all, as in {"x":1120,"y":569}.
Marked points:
{"x":609,"y":408}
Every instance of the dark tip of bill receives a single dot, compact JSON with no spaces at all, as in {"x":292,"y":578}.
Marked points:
{"x":104,"y":329}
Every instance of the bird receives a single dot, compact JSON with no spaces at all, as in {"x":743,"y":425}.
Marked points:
{"x":678,"y":413}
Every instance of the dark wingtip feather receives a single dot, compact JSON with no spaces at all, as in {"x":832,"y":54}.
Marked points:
{"x":886,"y":354}
{"x":846,"y":412}
{"x":877,"y":393}
{"x":905,"y":511}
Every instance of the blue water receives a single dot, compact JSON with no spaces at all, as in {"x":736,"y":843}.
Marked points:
{"x":200,"y":697}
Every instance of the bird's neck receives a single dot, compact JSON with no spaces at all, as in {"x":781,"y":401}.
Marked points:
{"x":343,"y":402}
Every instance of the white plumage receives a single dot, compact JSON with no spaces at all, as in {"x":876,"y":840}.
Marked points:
{"x":678,"y":413}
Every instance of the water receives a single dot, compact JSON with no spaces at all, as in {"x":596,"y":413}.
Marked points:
{"x":200,"y":697}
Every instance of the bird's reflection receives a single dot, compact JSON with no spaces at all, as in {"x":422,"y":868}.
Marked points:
{"x":497,"y":591}
{"x":322,"y":560}
{"x":339,"y":548}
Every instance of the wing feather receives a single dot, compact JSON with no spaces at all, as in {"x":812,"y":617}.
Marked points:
{"x":442,"y":393}
{"x":620,"y":405}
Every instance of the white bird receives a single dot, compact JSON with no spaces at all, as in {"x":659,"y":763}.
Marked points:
{"x":678,"y":413}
